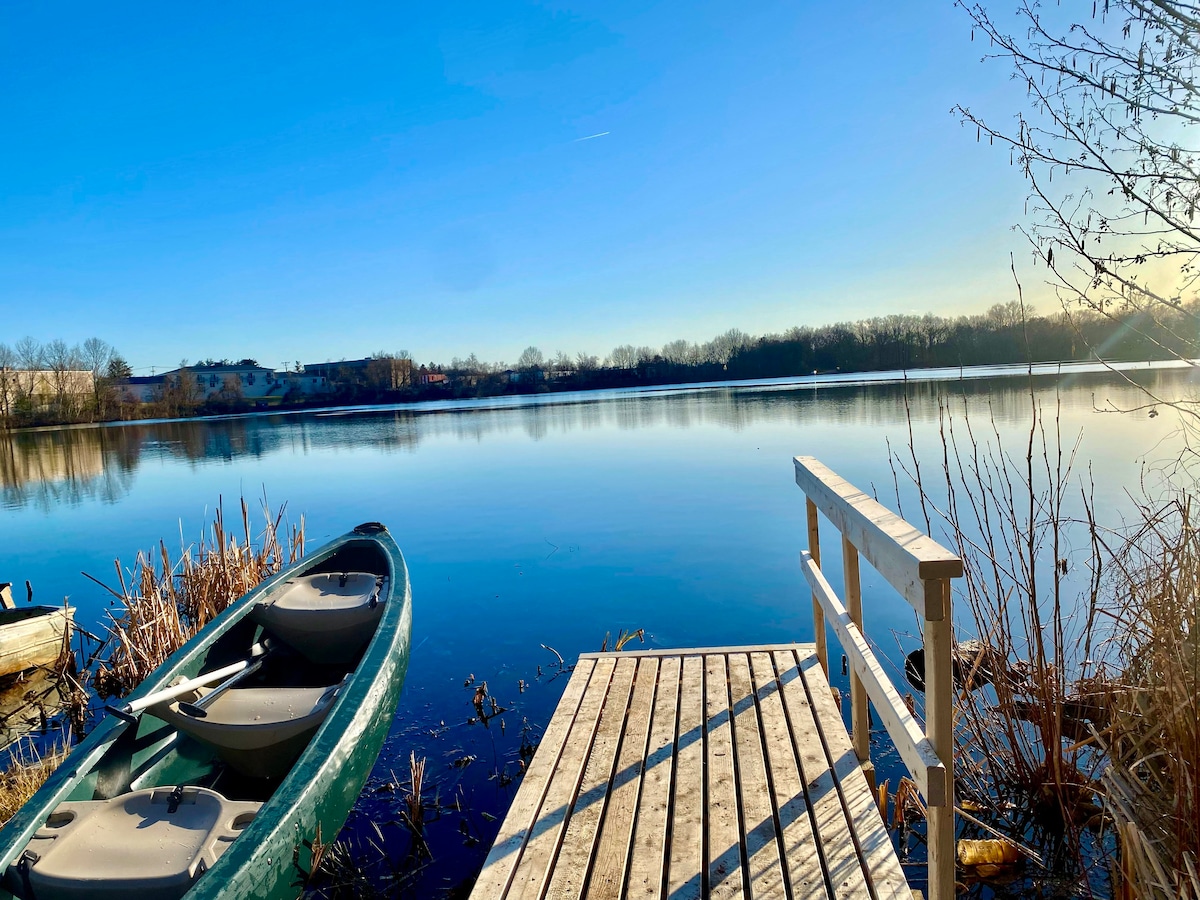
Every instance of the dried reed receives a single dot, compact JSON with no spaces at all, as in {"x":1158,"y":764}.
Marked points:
{"x":413,"y":800}
{"x":28,"y":769}
{"x":164,"y":602}
{"x":1093,"y":725}
{"x":1016,"y":520}
{"x":1152,"y":743}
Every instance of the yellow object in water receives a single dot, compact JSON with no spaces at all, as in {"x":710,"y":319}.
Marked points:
{"x":988,"y":858}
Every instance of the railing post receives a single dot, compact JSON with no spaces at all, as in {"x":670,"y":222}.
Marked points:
{"x":939,"y":725}
{"x":860,"y":730}
{"x":814,"y":550}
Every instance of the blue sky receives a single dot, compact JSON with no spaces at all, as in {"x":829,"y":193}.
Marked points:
{"x":310,"y":181}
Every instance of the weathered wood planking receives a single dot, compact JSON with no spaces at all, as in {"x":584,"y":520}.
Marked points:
{"x":723,"y":773}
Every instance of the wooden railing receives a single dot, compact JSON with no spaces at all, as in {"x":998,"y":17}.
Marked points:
{"x":920,"y":569}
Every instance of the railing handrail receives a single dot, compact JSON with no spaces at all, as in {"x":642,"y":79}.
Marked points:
{"x":920,"y":569}
{"x":911,"y":742}
{"x":909,"y":559}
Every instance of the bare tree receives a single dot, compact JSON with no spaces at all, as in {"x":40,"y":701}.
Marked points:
{"x":562,"y":362}
{"x":97,"y":355}
{"x":64,"y":364}
{"x":1109,"y":154}
{"x":531,"y":358}
{"x":679,"y":352}
{"x":29,"y":353}
{"x":8,"y":380}
{"x":624,"y":356}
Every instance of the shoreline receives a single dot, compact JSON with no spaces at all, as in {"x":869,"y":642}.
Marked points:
{"x":578,"y":395}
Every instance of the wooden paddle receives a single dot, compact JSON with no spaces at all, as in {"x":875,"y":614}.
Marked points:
{"x":240,"y":669}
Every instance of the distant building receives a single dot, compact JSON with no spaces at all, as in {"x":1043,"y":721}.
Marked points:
{"x":525,"y":376}
{"x":41,"y":388}
{"x":384,"y":373}
{"x":138,"y":388}
{"x":428,"y":377}
{"x":221,"y":379}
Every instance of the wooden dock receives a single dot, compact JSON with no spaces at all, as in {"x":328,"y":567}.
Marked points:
{"x":671,"y":775}
{"x":728,"y":773}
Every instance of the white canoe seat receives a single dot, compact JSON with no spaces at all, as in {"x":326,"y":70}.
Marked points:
{"x":151,"y":844}
{"x":329,"y":617}
{"x":258,"y":731}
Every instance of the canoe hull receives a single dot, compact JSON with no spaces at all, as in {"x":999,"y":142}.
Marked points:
{"x":272,"y":856}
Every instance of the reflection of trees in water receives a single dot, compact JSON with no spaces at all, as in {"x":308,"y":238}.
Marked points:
{"x":52,"y":467}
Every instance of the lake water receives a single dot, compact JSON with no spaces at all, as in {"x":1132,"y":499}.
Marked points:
{"x":544,"y":520}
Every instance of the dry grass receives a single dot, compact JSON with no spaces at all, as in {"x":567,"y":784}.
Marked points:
{"x":1086,"y":743}
{"x":27,"y":771}
{"x":414,"y":800}
{"x":1009,"y":517}
{"x":164,"y":602}
{"x":1152,"y":744}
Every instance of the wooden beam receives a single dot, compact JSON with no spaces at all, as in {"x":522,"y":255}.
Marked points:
{"x":814,"y":548}
{"x":939,"y":718}
{"x":695,"y":651}
{"x":860,"y":729}
{"x":914,"y":747}
{"x":906,"y":557}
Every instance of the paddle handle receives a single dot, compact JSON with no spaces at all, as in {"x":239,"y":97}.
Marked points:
{"x":170,"y":693}
{"x":197,"y":709}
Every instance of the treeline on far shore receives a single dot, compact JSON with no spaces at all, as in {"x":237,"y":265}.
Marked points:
{"x":1005,"y":334}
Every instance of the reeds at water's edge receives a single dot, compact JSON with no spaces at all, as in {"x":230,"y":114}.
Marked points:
{"x":1083,"y":743}
{"x":163,"y":604}
{"x":1152,"y":743}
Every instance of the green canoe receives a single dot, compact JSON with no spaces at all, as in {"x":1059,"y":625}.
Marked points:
{"x":255,"y":740}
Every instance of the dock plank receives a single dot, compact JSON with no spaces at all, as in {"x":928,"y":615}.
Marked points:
{"x":724,"y":831}
{"x":760,"y":838}
{"x":686,"y":865}
{"x":876,"y":854}
{"x":616,"y":833}
{"x":697,"y":773}
{"x":651,"y":830}
{"x":507,"y":849}
{"x":802,"y":859}
{"x":846,"y":878}
{"x":583,"y":826}
{"x":541,"y":846}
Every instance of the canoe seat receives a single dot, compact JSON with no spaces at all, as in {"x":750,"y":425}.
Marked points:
{"x":329,"y":617}
{"x":258,"y":731}
{"x":151,"y":844}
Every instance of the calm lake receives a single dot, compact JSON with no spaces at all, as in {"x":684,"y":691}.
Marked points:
{"x":551,"y":520}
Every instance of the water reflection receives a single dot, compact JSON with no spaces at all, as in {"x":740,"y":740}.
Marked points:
{"x":49,"y":468}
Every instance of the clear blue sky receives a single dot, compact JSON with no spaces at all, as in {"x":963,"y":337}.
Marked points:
{"x":309,"y":181}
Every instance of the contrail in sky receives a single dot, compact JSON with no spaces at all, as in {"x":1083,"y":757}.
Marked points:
{"x":590,"y":136}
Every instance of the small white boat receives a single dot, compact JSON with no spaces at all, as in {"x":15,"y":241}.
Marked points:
{"x":33,"y":636}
